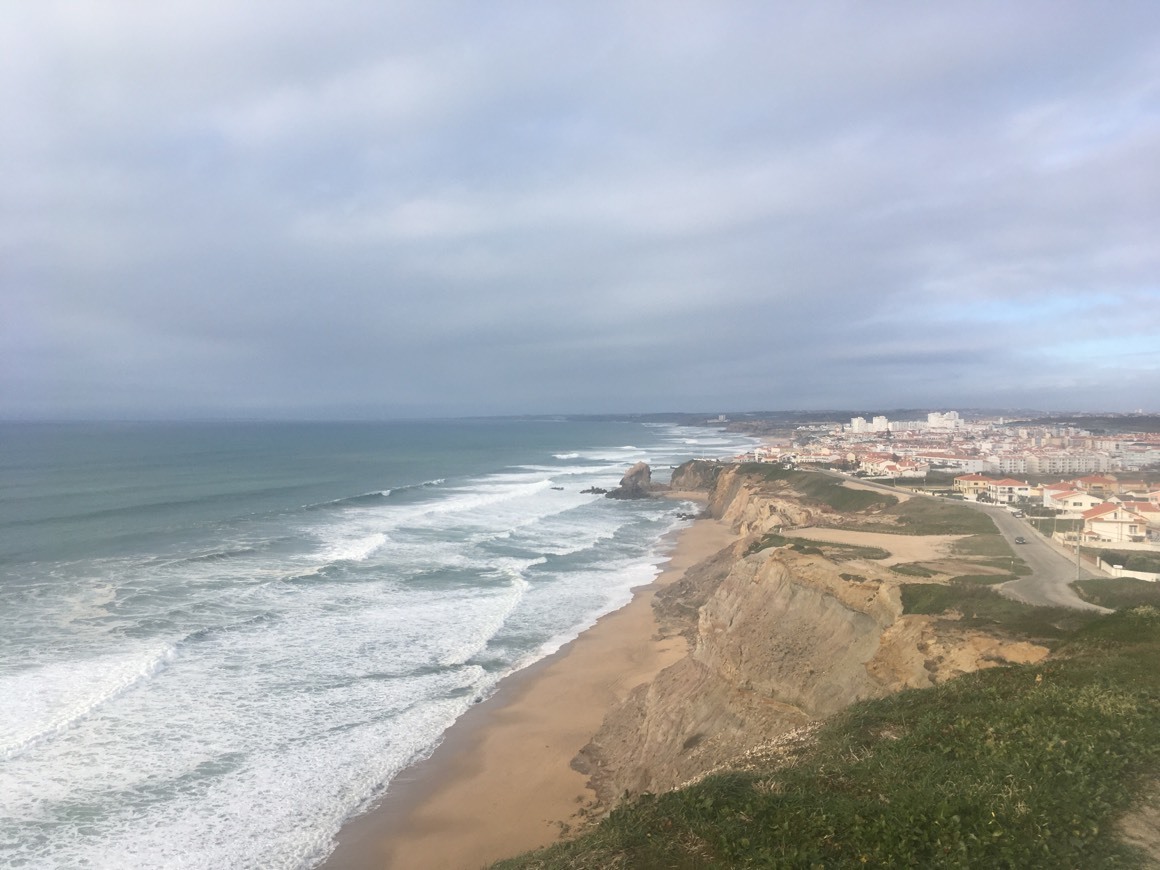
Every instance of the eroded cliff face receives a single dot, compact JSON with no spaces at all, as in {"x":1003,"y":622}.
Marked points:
{"x":777,"y":639}
{"x":753,"y":508}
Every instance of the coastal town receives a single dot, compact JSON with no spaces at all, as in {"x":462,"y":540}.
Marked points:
{"x":1103,"y":488}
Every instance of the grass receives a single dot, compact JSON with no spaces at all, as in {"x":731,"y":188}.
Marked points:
{"x":991,"y":545}
{"x":1016,"y":766}
{"x":982,"y":579}
{"x":1132,"y":560}
{"x":835,"y":552}
{"x":1015,"y":566}
{"x":912,"y":569}
{"x":928,"y":516}
{"x":820,"y":488}
{"x":982,"y":608}
{"x":1117,"y":592}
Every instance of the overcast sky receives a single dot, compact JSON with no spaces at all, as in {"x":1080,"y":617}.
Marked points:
{"x":380,"y":209}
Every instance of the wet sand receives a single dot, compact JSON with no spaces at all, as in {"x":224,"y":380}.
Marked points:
{"x":501,"y":782}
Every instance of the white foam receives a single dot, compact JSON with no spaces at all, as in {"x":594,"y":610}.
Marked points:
{"x":44,"y":702}
{"x":295,"y":703}
{"x":356,"y":549}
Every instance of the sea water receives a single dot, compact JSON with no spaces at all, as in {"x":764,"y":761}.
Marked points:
{"x":220,"y":641}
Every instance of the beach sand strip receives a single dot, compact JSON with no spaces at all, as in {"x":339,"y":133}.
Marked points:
{"x":501,"y":782}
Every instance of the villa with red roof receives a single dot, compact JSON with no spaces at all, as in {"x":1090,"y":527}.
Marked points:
{"x":1100,"y":484}
{"x":971,"y":485}
{"x":1115,"y":523}
{"x":1073,"y":501}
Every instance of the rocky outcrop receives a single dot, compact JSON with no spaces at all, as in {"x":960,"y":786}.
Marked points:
{"x":636,"y":483}
{"x":754,"y":507}
{"x":696,"y":475}
{"x":777,"y":639}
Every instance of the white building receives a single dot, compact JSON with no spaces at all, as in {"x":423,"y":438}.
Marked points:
{"x":1115,"y":523}
{"x":949,"y":420}
{"x":1068,"y":463}
{"x":1007,"y":463}
{"x":1073,"y":502}
{"x":1008,"y":491}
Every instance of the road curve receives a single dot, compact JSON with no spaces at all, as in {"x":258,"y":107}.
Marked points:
{"x":1052,"y":571}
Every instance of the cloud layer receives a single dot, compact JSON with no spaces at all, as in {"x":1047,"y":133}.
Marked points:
{"x":353,"y":209}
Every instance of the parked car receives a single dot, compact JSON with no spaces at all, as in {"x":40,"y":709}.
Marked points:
{"x":1020,"y":541}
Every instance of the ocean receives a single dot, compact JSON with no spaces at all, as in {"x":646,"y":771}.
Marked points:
{"x":218,"y":642}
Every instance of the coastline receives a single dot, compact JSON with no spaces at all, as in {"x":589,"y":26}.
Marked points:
{"x":501,"y":781}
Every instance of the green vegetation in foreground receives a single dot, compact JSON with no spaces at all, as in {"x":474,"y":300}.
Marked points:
{"x":1018,"y":766}
{"x":1117,"y":592}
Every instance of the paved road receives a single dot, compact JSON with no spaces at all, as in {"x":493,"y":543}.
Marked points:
{"x":1052,"y":570}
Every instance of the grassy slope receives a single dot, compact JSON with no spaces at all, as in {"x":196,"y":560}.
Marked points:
{"x":820,"y":488}
{"x":1021,"y":766}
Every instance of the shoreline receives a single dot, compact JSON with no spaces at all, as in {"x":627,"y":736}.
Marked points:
{"x":501,"y":782}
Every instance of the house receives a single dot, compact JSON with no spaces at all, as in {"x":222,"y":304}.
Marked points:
{"x":1072,"y":501}
{"x":971,"y":485}
{"x":1049,"y":491}
{"x":1150,"y":512}
{"x":904,"y":468}
{"x":1098,"y":484}
{"x":1008,"y":490}
{"x":1114,"y":523}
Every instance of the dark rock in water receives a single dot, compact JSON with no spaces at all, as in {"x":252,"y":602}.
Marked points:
{"x":594,"y":490}
{"x":636,"y":483}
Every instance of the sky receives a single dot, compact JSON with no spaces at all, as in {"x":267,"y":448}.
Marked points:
{"x":348,"y":209}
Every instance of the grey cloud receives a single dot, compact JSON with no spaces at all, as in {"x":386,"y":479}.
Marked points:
{"x":287,"y":209}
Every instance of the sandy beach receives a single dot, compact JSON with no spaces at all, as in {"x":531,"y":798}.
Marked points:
{"x":501,"y":782}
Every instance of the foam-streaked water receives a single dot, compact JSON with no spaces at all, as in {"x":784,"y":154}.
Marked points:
{"x":217,"y":642}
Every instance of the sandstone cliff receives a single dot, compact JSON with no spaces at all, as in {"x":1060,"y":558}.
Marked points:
{"x":751,"y":505}
{"x":777,"y":639}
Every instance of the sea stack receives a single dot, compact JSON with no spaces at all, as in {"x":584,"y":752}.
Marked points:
{"x":636,"y":483}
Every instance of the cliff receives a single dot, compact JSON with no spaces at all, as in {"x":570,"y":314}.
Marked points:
{"x":778,"y":638}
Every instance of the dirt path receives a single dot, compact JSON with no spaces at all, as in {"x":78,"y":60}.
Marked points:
{"x":899,"y":494}
{"x":902,"y":548}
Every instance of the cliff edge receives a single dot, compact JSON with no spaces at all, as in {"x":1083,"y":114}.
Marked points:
{"x":780,"y":635}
